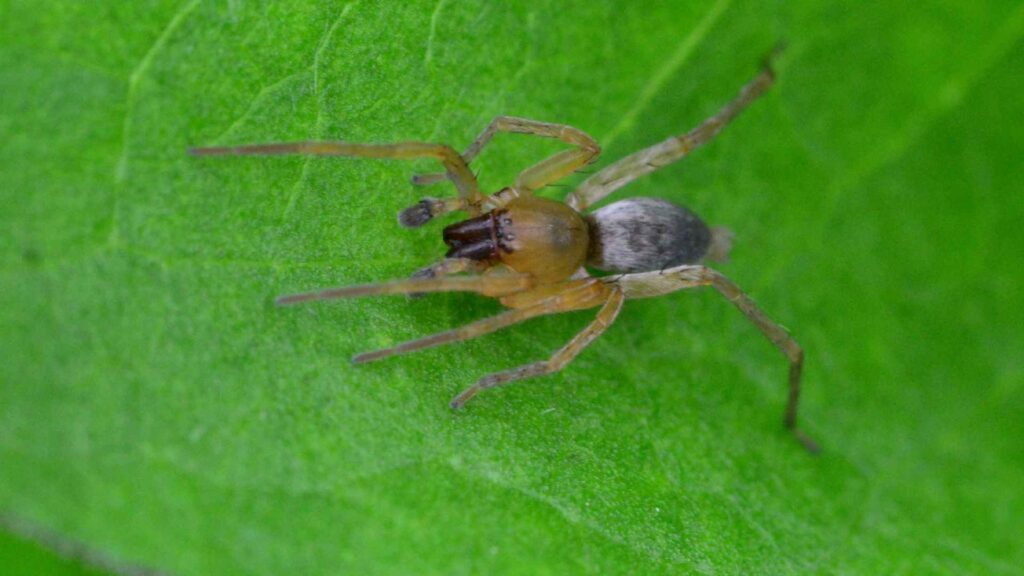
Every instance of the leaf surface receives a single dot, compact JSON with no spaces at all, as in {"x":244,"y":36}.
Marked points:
{"x":156,"y":407}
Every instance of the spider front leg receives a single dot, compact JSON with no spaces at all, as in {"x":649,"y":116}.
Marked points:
{"x":642,"y":162}
{"x":493,"y":285}
{"x":450,"y":266}
{"x":456,"y":169}
{"x":605,"y":317}
{"x":658,"y":283}
{"x":447,"y":267}
{"x":550,"y":170}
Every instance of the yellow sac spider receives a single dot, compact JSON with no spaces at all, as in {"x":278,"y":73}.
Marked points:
{"x":530,"y":252}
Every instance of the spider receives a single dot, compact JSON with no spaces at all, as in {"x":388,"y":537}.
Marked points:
{"x":532,"y":253}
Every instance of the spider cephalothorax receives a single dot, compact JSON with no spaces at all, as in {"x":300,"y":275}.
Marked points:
{"x":530,"y":235}
{"x":533,"y":253}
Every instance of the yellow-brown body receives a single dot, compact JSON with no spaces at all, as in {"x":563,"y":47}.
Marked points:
{"x":543,"y":238}
{"x":550,"y":242}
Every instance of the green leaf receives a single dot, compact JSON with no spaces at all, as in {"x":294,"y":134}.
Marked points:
{"x":156,"y":408}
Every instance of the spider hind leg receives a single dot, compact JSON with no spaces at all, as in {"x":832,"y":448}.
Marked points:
{"x":605,"y":317}
{"x":659,"y":283}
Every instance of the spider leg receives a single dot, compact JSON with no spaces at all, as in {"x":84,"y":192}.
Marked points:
{"x":467,"y":332}
{"x":645,"y":161}
{"x":649,"y":284}
{"x":450,"y":266}
{"x":447,"y":267}
{"x":456,"y":168}
{"x":543,"y":300}
{"x":493,"y":285}
{"x":554,"y":168}
{"x":548,"y":171}
{"x":605,"y":317}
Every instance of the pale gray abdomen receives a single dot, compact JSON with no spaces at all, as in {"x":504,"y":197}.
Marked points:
{"x":643,"y":234}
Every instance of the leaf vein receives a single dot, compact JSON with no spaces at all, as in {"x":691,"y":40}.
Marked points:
{"x":325,"y":41}
{"x":661,"y":76}
{"x":134,"y":78}
{"x":428,"y":55}
{"x":952,"y":95}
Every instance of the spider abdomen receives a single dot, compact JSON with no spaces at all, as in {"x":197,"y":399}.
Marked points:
{"x":643,"y":234}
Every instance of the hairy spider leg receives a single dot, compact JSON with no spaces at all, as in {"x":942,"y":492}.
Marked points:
{"x":450,"y":266}
{"x":645,"y":161}
{"x":550,"y":170}
{"x":492,"y":285}
{"x":605,"y":317}
{"x":539,"y":301}
{"x":456,"y":168}
{"x":658,"y":283}
{"x":467,"y":332}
